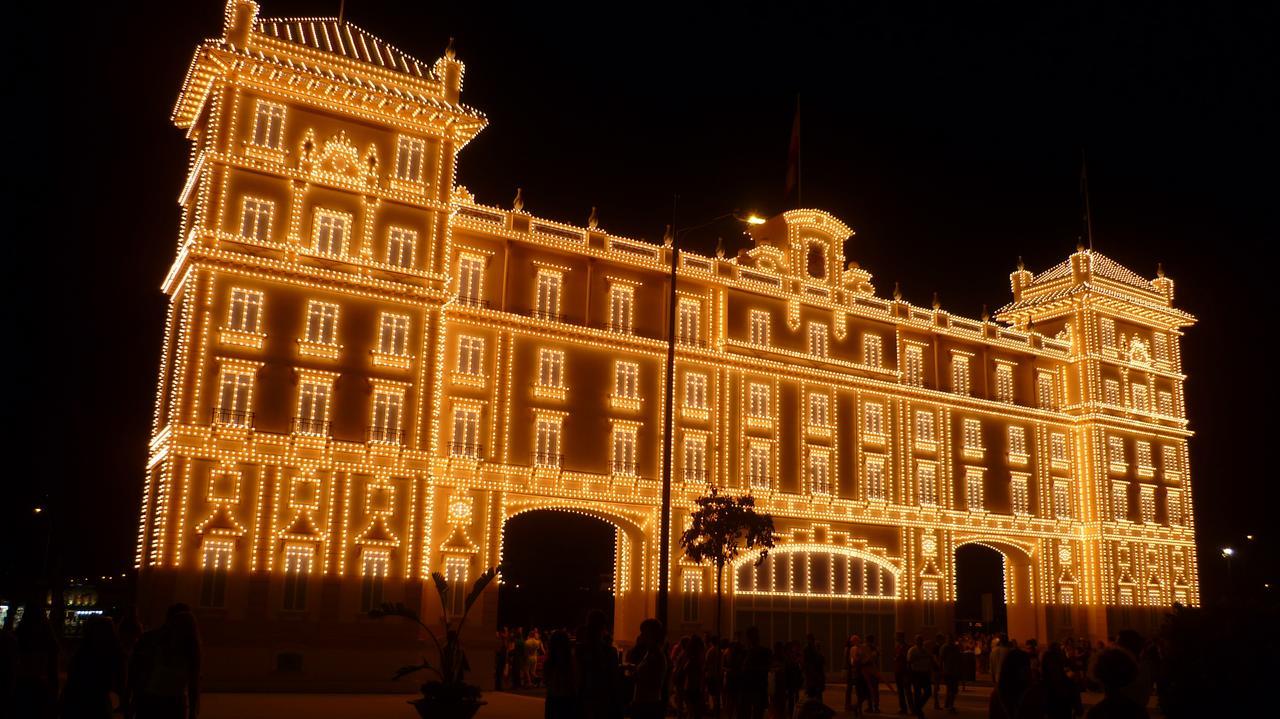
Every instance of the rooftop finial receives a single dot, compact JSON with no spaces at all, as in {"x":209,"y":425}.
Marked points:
{"x":1159,"y":269}
{"x":720,"y":248}
{"x":518,"y":203}
{"x":1079,"y":245}
{"x":986,"y":316}
{"x":594,"y":220}
{"x":667,"y":237}
{"x":897,"y":291}
{"x":1021,"y":265}
{"x":449,"y":52}
{"x":937,"y":303}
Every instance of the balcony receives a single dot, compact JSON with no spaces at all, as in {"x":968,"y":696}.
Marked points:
{"x":696,"y":474}
{"x":473,"y":302}
{"x":385,"y":435}
{"x":546,"y":315}
{"x":310,"y":426}
{"x":546,"y":460}
{"x":625,"y":404}
{"x":624,"y":469}
{"x":232,"y":418}
{"x":690,"y":341}
{"x":700,"y":414}
{"x":466,"y":450}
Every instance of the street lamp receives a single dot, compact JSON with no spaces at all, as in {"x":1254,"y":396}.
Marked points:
{"x":1227,"y":553}
{"x":664,"y":527}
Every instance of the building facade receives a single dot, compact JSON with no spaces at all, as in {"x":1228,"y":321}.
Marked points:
{"x":366,"y":373}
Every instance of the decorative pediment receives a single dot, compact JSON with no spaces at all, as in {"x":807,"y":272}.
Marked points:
{"x":337,"y":160}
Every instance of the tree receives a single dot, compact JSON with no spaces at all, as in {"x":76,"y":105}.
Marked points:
{"x":723,"y":528}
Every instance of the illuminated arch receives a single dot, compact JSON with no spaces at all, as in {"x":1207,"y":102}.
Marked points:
{"x":630,"y":552}
{"x":829,"y":571}
{"x":1022,"y":587}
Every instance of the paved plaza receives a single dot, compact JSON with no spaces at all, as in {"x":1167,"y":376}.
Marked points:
{"x":972,"y":704}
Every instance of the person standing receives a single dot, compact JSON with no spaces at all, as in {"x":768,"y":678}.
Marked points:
{"x":1016,"y":696}
{"x":902,"y":672}
{"x":951,"y":659}
{"x":35,"y":685}
{"x":95,"y":672}
{"x":755,"y":677}
{"x":1061,"y":694}
{"x":164,"y":674}
{"x":869,"y":668}
{"x":650,"y":671}
{"x":999,"y":648}
{"x":815,"y":665}
{"x":851,"y":676}
{"x":713,"y":666}
{"x":921,"y":663}
{"x":560,"y":678}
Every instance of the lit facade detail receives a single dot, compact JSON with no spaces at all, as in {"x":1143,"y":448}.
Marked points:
{"x":366,"y":372}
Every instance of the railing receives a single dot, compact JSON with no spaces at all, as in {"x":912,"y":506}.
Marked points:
{"x":546,"y":315}
{"x":303,"y":425}
{"x":692,"y":474}
{"x":465,"y":449}
{"x":231,"y":417}
{"x":624,"y":468}
{"x":546,"y":459}
{"x":688,"y":341}
{"x":385,"y":435}
{"x":469,"y":301}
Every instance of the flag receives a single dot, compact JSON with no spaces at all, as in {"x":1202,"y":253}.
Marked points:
{"x":793,"y":161}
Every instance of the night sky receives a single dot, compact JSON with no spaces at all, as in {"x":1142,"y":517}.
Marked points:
{"x":949,"y":138}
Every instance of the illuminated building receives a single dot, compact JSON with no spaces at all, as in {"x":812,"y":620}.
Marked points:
{"x":366,"y":373}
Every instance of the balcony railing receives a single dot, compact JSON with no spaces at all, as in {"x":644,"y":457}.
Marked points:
{"x":693,"y":474}
{"x":466,"y":449}
{"x":385,"y":435}
{"x":234,"y":418}
{"x":547,"y":315}
{"x":624,"y":468}
{"x":546,"y":459}
{"x":469,"y":301}
{"x":306,"y":425}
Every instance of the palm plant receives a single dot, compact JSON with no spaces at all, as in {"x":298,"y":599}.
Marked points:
{"x":448,"y":694}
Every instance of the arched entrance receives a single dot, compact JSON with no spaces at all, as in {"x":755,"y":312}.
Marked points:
{"x":995,"y":583}
{"x":556,"y":567}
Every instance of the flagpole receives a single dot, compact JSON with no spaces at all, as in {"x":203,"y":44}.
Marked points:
{"x":1084,"y":188}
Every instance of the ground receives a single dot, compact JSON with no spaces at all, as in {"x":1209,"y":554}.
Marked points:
{"x":501,"y":705}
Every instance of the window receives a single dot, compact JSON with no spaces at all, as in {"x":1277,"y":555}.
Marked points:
{"x":401,"y":242}
{"x":322,"y":323}
{"x":695,"y":390}
{"x":330,"y":231}
{"x":973,"y":489}
{"x":215,"y":563}
{"x":626,"y":380}
{"x":758,"y":400}
{"x":872,"y":350}
{"x":1164,"y":403}
{"x":1046,"y":397}
{"x":1062,"y":498}
{"x":455,"y":577}
{"x":1019,"y":494}
{"x":1111,"y":392}
{"x":624,"y":450}
{"x":687,"y":330}
{"x":547,"y":441}
{"x":409,"y":154}
{"x":551,"y":368}
{"x":297,"y":569}
{"x":268,"y":124}
{"x":388,"y":407}
{"x":1160,"y":346}
{"x":1141,"y":402}
{"x":817,"y":262}
{"x":926,"y":428}
{"x":913,"y":365}
{"x":621,"y":305}
{"x":313,"y":407}
{"x":1169,"y":460}
{"x":1004,"y":382}
{"x":374,"y":567}
{"x":547,"y":301}
{"x":875,"y":469}
{"x":466,"y":432}
{"x":817,"y":339}
{"x":695,"y":457}
{"x":1173,"y":507}
{"x":972,"y":435}
{"x":1120,"y":501}
{"x":470,"y":355}
{"x":960,"y":373}
{"x":255,"y":218}
{"x":819,"y":472}
{"x":759,"y":473}
{"x":471,"y":280}
{"x":1142,"y":451}
{"x":760,"y":329}
{"x":818,"y":407}
{"x":393,"y":335}
{"x":1058,"y":450}
{"x":1107,"y":327}
{"x":1115,"y":453}
{"x":873,"y":421}
{"x":690,"y":588}
{"x":235,"y":386}
{"x":1147,"y":503}
{"x":927,"y":479}
{"x":1017,"y":445}
{"x":244,"y":312}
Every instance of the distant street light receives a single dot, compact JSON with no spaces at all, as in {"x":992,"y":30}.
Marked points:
{"x":1227,"y":554}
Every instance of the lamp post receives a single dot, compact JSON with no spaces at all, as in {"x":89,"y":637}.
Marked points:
{"x":1227,"y":554}
{"x":664,"y":530}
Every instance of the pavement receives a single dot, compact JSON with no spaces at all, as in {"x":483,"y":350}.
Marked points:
{"x":971,"y":704}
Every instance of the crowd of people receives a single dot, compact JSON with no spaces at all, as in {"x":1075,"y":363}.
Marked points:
{"x":707,"y":677}
{"x":117,"y":669}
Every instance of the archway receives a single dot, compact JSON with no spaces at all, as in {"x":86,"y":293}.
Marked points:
{"x":556,"y":567}
{"x":995,"y":588}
